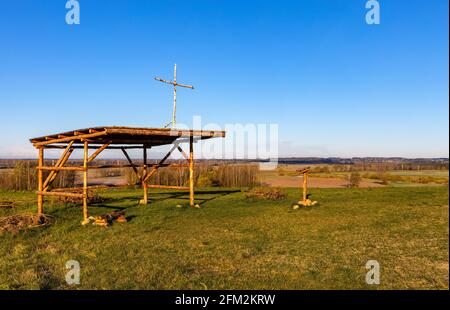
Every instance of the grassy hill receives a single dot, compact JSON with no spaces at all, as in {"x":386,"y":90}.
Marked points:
{"x":235,"y":243}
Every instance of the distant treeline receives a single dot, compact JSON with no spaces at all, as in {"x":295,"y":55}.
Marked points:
{"x":23,"y":175}
{"x":379,"y":167}
{"x":205,"y":175}
{"x":397,"y":162}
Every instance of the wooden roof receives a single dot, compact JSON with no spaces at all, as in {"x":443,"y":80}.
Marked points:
{"x":125,"y":136}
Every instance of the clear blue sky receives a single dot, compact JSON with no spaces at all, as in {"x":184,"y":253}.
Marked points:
{"x":335,"y":85}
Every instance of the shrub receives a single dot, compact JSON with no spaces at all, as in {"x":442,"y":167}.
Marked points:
{"x":207,"y":179}
{"x":354,"y":179}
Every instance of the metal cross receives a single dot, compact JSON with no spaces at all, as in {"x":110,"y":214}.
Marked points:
{"x":175,"y":84}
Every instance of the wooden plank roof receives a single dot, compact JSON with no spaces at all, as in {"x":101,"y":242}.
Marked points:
{"x":120,"y":135}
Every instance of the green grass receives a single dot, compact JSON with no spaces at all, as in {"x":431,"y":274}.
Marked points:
{"x":233,"y":243}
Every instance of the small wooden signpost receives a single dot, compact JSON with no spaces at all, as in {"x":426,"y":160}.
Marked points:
{"x":305,"y":200}
{"x":304,"y":172}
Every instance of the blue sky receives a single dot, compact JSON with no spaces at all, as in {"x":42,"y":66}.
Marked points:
{"x":335,"y":85}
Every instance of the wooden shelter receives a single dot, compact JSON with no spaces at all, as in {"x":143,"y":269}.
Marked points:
{"x":122,"y":138}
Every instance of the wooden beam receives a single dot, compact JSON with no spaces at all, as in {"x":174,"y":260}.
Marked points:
{"x":40,"y":193}
{"x":144,"y":172}
{"x":52,"y":168}
{"x":158,"y":165}
{"x":61,"y":162}
{"x":170,"y":165}
{"x":183,"y":153}
{"x":305,"y":186}
{"x":110,"y":166}
{"x":80,"y":188}
{"x":168,"y":187}
{"x":54,"y":173}
{"x":40,"y":201}
{"x":67,"y":139}
{"x":85,"y":184}
{"x":166,"y":132}
{"x":304,"y":170}
{"x":72,"y":168}
{"x":191,"y":172}
{"x":93,"y":147}
{"x":97,"y":152}
{"x":131,"y":163}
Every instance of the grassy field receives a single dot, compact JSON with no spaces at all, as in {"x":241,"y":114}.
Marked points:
{"x":233,"y":243}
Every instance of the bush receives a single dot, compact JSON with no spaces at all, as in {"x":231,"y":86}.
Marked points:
{"x":384,"y":177}
{"x":354,"y":179}
{"x":207,"y":179}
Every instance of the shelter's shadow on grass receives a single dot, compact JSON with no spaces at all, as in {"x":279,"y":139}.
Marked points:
{"x":133,"y":200}
{"x":200,"y":200}
{"x":119,"y":208}
{"x":130,"y":218}
{"x":185,"y":195}
{"x":217,"y":193}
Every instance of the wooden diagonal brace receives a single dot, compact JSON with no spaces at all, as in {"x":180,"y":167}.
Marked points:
{"x":132,"y":165}
{"x":97,"y":152}
{"x":183,"y":153}
{"x":60,"y":163}
{"x":158,"y":165}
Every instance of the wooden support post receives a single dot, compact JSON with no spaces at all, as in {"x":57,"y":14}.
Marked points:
{"x":191,"y":171}
{"x":305,"y":186}
{"x":85,"y":184}
{"x":144,"y":183}
{"x":169,"y":187}
{"x":40,"y":181}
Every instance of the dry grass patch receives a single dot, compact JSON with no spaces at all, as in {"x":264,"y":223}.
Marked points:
{"x":265,"y":193}
{"x":17,"y":222}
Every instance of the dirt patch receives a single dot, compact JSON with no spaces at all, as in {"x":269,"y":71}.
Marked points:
{"x":23,"y":221}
